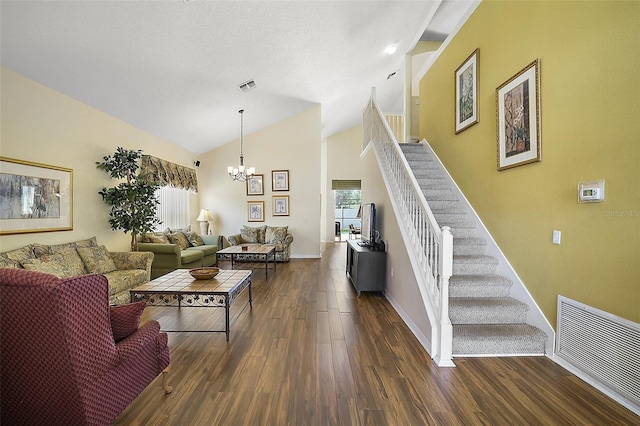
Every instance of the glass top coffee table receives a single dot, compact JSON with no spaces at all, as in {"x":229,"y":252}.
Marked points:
{"x":178,"y":288}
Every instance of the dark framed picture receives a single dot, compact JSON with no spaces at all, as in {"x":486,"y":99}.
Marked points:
{"x":280,"y":205}
{"x":280,"y":180}
{"x":255,"y":211}
{"x":518,"y":118}
{"x":255,"y":185}
{"x":35,"y":197}
{"x":466,"y":78}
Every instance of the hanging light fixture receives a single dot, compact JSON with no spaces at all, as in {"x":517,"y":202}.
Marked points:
{"x":241,"y":174}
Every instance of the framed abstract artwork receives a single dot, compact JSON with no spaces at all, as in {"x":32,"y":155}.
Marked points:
{"x":34,"y":197}
{"x":255,"y":211}
{"x":518,"y":118}
{"x":280,"y":180}
{"x":466,"y":78}
{"x":280,"y":205}
{"x":255,"y":185}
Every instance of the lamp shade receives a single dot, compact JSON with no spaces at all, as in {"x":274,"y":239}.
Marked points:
{"x":204,"y":216}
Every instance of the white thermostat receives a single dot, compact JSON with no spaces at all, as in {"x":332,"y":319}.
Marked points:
{"x":591,"y":192}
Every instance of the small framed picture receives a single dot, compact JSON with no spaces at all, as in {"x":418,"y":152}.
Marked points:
{"x":518,"y":118}
{"x":280,"y":205}
{"x":466,"y":78}
{"x":280,"y":180}
{"x":255,"y":211}
{"x":254,"y":185}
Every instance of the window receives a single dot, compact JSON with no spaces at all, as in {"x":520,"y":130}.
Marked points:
{"x":173,"y":210}
{"x":347,"y":198}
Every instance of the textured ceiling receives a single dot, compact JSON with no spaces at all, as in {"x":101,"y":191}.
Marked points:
{"x":172,"y":68}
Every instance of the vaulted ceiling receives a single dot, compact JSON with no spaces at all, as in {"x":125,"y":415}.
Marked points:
{"x":173,"y":68}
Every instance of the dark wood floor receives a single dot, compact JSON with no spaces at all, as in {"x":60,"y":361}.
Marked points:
{"x":311,"y":353}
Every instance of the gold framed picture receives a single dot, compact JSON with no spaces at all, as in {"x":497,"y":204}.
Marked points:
{"x":280,"y":205}
{"x":35,"y":197}
{"x":518,"y":118}
{"x":255,"y":211}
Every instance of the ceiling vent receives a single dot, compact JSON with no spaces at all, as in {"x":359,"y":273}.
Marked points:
{"x":247,"y":85}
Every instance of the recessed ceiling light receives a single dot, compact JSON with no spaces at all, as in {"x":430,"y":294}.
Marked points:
{"x":391,"y":49}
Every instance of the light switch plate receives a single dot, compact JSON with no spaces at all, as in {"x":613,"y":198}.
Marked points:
{"x":556,"y":237}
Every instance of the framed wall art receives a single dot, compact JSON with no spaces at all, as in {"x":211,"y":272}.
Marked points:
{"x":280,"y":205}
{"x":518,"y":118}
{"x":466,"y":79}
{"x":255,"y":211}
{"x":34,"y":197}
{"x":255,"y":185}
{"x":280,"y":180}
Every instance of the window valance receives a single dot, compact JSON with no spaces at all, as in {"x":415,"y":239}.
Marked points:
{"x":165,"y":173}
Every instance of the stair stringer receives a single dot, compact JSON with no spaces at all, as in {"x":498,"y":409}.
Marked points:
{"x":519,"y":291}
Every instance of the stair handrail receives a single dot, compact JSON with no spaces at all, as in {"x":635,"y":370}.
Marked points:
{"x":430,"y":247}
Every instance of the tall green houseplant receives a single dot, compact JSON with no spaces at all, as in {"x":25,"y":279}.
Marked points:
{"x":133,"y":202}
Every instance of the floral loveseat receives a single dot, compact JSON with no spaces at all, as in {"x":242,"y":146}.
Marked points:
{"x":279,"y":236}
{"x":179,"y":249}
{"x":123,"y":270}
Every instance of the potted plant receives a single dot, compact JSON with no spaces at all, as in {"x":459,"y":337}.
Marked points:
{"x":133,"y":202}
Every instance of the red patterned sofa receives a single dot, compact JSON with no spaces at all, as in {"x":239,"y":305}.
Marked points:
{"x":68,"y":358}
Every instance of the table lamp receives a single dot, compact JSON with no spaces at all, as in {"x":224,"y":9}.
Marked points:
{"x":204,"y":217}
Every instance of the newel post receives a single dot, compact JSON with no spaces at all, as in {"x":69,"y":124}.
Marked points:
{"x":445,"y":354}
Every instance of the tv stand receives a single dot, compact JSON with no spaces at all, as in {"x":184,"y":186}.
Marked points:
{"x":366,"y":267}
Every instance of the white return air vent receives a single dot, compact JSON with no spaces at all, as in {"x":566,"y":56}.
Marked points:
{"x":603,"y":346}
{"x":247,"y":85}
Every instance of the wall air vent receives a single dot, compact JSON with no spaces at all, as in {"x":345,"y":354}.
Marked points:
{"x":247,"y":85}
{"x":602,"y":345}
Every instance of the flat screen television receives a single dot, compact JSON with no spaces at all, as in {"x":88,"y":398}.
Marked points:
{"x":368,"y":228}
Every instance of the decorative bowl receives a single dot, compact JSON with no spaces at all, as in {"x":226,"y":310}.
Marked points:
{"x":204,"y":273}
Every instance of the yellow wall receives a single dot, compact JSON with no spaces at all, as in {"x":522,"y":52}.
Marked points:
{"x":292,"y":144}
{"x":41,"y":125}
{"x":590,"y":87}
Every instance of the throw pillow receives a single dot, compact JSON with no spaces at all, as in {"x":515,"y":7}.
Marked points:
{"x":19,"y":255}
{"x":194,"y":239}
{"x":97,"y":259}
{"x":8,"y":263}
{"x":53,"y":264}
{"x":157,"y":238}
{"x":125,"y":319}
{"x":180,"y":239}
{"x":72,"y":259}
{"x":249,"y":234}
{"x":252,"y":234}
{"x":276,"y":235}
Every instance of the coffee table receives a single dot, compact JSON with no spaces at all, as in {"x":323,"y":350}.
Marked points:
{"x":178,"y":288}
{"x":259,"y":252}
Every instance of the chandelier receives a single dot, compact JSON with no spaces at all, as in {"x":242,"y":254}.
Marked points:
{"x":240,"y":174}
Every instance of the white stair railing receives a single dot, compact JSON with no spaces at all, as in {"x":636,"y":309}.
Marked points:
{"x":430,"y":248}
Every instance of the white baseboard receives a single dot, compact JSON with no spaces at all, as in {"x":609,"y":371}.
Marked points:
{"x":424,"y":341}
{"x":596,"y":384}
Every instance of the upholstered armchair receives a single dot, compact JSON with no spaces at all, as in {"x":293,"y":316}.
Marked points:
{"x":68,"y":358}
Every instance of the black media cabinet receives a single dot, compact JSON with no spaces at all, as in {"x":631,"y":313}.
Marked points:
{"x":366,"y":267}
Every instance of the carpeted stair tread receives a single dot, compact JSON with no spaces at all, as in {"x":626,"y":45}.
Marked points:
{"x":469,"y":246}
{"x":498,"y":339}
{"x":487,"y":310}
{"x":487,"y":285}
{"x":474,"y":264}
